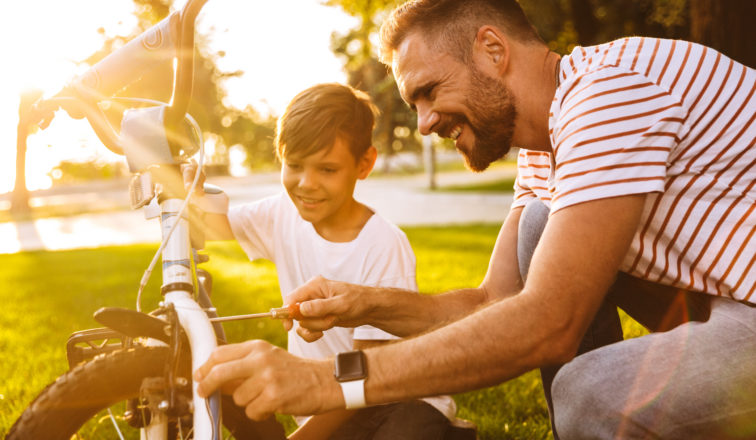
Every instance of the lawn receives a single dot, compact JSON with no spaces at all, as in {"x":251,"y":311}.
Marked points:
{"x":48,"y":295}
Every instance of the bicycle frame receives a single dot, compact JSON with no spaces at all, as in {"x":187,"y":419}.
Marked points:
{"x":177,"y":275}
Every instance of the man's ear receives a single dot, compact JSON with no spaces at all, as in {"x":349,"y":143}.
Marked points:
{"x":490,"y":52}
{"x":366,"y":162}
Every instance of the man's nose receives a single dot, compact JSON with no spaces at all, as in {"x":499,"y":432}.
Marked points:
{"x":426,"y":119}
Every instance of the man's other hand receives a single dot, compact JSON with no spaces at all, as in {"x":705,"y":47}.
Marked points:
{"x":265,"y":379}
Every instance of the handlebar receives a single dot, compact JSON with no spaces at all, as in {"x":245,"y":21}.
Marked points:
{"x":173,"y":37}
{"x":182,"y":86}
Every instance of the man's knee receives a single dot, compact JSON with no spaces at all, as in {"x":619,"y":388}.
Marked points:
{"x":582,"y":409}
{"x":532,"y":223}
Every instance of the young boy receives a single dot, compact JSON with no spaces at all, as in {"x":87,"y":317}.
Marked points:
{"x":324,"y":143}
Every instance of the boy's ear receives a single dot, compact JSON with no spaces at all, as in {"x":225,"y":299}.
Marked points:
{"x":367,"y":162}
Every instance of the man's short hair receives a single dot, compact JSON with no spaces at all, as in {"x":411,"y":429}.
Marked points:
{"x":317,"y":116}
{"x":451,"y":25}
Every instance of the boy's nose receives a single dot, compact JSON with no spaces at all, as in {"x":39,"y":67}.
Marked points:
{"x":307,"y":180}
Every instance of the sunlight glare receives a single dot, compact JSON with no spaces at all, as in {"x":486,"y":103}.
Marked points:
{"x":280,"y":51}
{"x":42,"y":41}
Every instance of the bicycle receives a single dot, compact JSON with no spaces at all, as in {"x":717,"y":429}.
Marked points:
{"x":146,"y":359}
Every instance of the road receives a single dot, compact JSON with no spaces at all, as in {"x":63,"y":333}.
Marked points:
{"x":402,"y":200}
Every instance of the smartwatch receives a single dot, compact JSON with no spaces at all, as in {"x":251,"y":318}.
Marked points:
{"x":350,"y":371}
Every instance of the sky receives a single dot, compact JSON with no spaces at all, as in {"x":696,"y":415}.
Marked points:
{"x":281,"y":45}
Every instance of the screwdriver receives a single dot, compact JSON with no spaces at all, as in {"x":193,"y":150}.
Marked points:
{"x":288,"y":312}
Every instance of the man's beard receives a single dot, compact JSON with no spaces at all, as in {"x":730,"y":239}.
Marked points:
{"x":493,"y":112}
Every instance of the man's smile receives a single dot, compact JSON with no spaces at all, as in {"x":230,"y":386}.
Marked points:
{"x":454,"y":134}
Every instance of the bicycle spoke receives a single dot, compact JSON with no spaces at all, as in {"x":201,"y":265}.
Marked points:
{"x":115,"y":424}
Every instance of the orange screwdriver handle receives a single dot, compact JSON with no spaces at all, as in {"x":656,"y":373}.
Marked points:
{"x":289,"y":312}
{"x":294,"y":312}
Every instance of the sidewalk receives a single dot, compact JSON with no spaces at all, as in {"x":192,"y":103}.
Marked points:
{"x":402,"y":200}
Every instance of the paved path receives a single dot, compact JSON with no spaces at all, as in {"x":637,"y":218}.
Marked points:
{"x":402,"y":200}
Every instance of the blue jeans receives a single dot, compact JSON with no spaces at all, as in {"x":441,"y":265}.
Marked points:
{"x":413,"y":420}
{"x":694,"y":377}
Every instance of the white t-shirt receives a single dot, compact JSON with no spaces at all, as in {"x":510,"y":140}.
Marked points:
{"x":381,"y":255}
{"x":673,"y":119}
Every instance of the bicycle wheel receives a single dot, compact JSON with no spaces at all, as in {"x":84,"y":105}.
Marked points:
{"x":82,"y":393}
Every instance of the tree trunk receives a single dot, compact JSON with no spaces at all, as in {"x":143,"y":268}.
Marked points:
{"x":429,"y":154}
{"x":20,"y":196}
{"x":727,"y":26}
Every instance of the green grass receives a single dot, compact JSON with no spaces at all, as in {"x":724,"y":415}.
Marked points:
{"x":48,"y":295}
{"x":505,"y":185}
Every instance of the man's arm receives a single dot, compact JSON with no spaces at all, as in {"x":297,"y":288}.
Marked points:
{"x":573,"y":266}
{"x":326,"y":304}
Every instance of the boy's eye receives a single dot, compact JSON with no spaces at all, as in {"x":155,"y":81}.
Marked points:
{"x":293,"y":166}
{"x":329,"y":170}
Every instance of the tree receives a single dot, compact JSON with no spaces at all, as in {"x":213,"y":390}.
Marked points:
{"x":726,"y":26}
{"x":722,"y":25}
{"x":563,"y":24}
{"x":396,"y":127}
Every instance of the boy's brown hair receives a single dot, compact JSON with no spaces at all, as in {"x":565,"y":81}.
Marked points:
{"x":317,"y":116}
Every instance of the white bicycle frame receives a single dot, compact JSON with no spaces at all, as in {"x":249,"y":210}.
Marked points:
{"x":193,"y":319}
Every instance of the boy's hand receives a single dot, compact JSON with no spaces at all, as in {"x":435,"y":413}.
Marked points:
{"x":325,"y":304}
{"x":266,"y":379}
{"x":188,"y":171}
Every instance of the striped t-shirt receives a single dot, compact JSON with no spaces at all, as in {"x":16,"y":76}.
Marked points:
{"x":673,"y":119}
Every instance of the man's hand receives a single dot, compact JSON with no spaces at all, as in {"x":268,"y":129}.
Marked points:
{"x":325,"y":304}
{"x":266,"y":379}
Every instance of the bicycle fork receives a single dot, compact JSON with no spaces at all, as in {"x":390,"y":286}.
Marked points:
{"x":178,"y":291}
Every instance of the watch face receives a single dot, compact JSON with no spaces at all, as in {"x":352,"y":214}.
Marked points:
{"x":350,"y":366}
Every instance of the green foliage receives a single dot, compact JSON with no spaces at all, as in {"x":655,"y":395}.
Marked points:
{"x":396,"y":127}
{"x":563,"y":24}
{"x":254,"y":132}
{"x":497,"y":186}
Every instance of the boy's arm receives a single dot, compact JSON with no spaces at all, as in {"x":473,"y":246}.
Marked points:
{"x":216,"y":226}
{"x":213,"y":208}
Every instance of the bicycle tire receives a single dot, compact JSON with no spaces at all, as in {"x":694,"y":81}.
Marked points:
{"x":81,"y":393}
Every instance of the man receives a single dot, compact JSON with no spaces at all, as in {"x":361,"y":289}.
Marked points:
{"x":639,"y":158}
